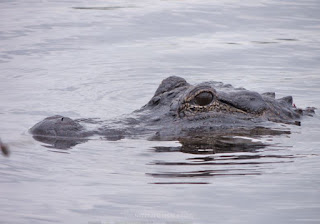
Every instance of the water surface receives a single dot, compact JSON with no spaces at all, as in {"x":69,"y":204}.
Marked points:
{"x":100,"y":59}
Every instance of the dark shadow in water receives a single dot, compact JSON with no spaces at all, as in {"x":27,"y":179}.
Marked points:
{"x":229,"y":162}
{"x":205,"y":143}
{"x":180,"y":183}
{"x":238,"y":140}
{"x":287,"y":39}
{"x":229,"y":154}
{"x":233,"y":43}
{"x":223,"y":155}
{"x":264,"y":42}
{"x":219,"y":166}
{"x":219,"y":144}
{"x":4,"y":149}
{"x":104,"y":8}
{"x":59,"y":143}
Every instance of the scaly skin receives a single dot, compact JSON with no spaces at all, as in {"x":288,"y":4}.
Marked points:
{"x":179,"y":110}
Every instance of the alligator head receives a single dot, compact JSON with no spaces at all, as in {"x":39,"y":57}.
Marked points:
{"x":180,"y":111}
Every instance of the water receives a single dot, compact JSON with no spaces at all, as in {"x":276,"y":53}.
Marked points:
{"x":87,"y":59}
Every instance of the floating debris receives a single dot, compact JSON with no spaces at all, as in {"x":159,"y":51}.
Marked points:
{"x":4,"y":149}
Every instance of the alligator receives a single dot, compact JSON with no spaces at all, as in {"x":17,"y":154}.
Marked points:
{"x":184,"y":112}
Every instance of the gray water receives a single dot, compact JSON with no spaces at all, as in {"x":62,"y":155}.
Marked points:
{"x":101,"y":59}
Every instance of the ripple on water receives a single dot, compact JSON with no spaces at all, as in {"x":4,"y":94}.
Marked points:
{"x":233,"y":157}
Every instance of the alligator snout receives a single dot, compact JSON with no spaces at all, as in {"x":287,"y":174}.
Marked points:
{"x":57,"y":126}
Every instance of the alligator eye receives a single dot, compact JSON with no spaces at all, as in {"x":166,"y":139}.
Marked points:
{"x":203,"y":99}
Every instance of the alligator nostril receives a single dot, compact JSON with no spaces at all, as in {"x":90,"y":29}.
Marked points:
{"x":61,"y":119}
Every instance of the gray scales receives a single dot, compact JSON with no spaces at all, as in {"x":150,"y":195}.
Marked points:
{"x":198,"y":116}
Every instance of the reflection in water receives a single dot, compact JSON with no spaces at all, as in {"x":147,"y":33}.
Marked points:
{"x":219,"y":144}
{"x":235,"y":140}
{"x":235,"y":154}
{"x":228,"y":140}
{"x":59,"y":142}
{"x":225,"y":155}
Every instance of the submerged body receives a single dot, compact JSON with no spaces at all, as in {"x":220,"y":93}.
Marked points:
{"x":179,"y":110}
